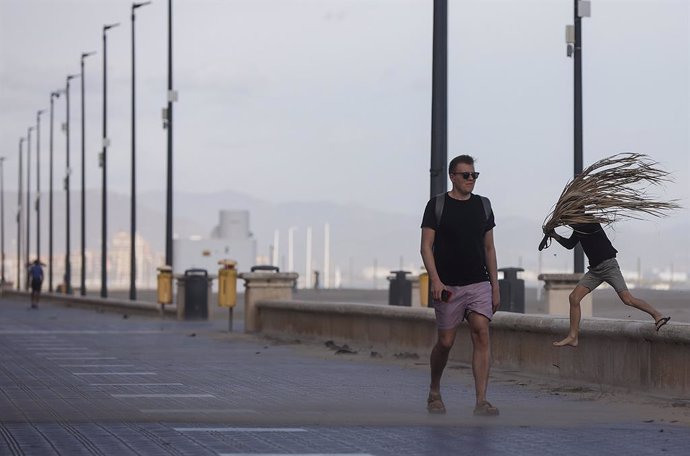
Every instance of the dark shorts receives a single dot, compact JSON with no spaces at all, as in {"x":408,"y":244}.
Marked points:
{"x":607,"y":271}
{"x":469,"y":298}
{"x":36,"y":284}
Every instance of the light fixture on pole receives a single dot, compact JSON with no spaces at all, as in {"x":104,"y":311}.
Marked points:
{"x":68,"y":171}
{"x":103,"y":162}
{"x":82,"y":283}
{"x":573,"y":36}
{"x":53,"y":96}
{"x":133,"y":216}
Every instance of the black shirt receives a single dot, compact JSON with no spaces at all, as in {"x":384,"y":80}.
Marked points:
{"x":459,"y":239}
{"x":594,"y":241}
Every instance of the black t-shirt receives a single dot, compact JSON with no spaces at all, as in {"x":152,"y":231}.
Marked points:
{"x":459,"y":239}
{"x":594,"y":241}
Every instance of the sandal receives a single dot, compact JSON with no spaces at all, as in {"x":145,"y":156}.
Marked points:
{"x":661,"y":322}
{"x":434,"y":403}
{"x":485,"y":409}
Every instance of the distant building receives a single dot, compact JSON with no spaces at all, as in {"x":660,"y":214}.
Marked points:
{"x":229,"y":240}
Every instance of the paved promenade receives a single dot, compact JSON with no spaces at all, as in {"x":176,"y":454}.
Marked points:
{"x":76,"y":382}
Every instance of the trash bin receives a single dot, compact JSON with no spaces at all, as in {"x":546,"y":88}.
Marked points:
{"x":512,"y":291}
{"x":424,"y":289}
{"x":400,"y":289}
{"x":164,"y":288}
{"x":196,"y":294}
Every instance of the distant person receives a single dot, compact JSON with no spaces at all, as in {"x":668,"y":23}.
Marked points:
{"x":36,"y":277}
{"x":459,"y":254}
{"x":603,"y":267}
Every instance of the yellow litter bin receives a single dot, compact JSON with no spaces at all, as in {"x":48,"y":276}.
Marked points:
{"x":424,"y":289}
{"x":227,"y":283}
{"x":165,"y":294}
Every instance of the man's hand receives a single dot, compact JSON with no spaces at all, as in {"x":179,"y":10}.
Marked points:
{"x":436,"y":288}
{"x":495,"y":298}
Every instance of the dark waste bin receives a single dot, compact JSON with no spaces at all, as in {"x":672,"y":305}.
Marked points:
{"x":196,"y":294}
{"x":512,"y":291}
{"x":400,"y":289}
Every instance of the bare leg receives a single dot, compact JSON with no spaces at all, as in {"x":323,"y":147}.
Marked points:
{"x":481,"y":353}
{"x":439,"y":357}
{"x":575,"y":314}
{"x":630,"y":300}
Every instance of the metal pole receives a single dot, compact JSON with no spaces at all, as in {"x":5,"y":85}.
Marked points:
{"x":579,"y":258}
{"x":82,"y":283}
{"x":169,"y":124}
{"x":53,"y":95}
{"x":28,"y":201}
{"x":133,"y":218}
{"x":68,"y":263}
{"x":104,"y":166}
{"x":19,"y":217}
{"x":439,"y":100}
{"x":38,"y":184}
{"x":2,"y":220}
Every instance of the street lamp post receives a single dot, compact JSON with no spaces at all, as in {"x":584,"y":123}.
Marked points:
{"x":103,"y":163}
{"x":2,"y":220}
{"x":53,"y":95}
{"x":133,"y":218}
{"x":574,"y":40}
{"x":439,"y":99}
{"x":168,"y":124}
{"x":28,"y":199}
{"x":82,"y":283}
{"x":38,"y":184}
{"x":19,"y":216}
{"x":68,"y":171}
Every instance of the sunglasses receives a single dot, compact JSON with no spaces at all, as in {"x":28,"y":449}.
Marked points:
{"x":467,"y":175}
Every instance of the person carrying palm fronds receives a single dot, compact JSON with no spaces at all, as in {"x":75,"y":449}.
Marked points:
{"x":612,"y":188}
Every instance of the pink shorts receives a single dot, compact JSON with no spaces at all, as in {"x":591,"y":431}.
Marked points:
{"x":469,"y":298}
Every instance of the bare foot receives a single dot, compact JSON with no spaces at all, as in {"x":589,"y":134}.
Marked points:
{"x":572,"y":341}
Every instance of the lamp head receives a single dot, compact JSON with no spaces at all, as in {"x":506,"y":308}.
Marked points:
{"x":139,"y":5}
{"x":86,"y":54}
{"x":109,"y":26}
{"x":71,"y":76}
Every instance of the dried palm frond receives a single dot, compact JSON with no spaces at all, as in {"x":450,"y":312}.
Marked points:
{"x":610,"y":189}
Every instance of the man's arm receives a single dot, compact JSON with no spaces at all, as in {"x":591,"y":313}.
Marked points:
{"x":568,"y":243}
{"x":427,"y":250}
{"x":492,"y":269}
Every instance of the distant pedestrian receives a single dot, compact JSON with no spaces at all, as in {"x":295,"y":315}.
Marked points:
{"x":459,"y":254}
{"x":36,"y":277}
{"x":603,"y":267}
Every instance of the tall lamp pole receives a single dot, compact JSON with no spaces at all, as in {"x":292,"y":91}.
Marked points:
{"x":19,"y":216}
{"x":28,"y":199}
{"x":168,"y":124}
{"x":53,"y":96}
{"x":2,"y":220}
{"x":133,"y":217}
{"x":103,"y":163}
{"x":582,"y":8}
{"x":38,"y":184}
{"x":68,"y":171}
{"x":82,"y":288}
{"x":439,"y":99}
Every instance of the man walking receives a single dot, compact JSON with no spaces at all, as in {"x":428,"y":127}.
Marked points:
{"x":458,"y":252}
{"x":36,"y":277}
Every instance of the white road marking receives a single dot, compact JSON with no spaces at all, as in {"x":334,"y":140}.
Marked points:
{"x":96,"y":365}
{"x":201,"y":411}
{"x":162,"y":395}
{"x":81,"y":357}
{"x":114,"y":373}
{"x":239,"y":429}
{"x":136,"y":384}
{"x":295,"y":454}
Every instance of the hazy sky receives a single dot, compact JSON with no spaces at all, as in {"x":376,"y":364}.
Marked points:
{"x":330,"y":99}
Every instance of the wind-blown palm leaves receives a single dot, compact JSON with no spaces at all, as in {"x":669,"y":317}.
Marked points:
{"x":610,"y":189}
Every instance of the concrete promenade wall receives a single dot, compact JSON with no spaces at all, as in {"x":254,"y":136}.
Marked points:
{"x":97,"y":303}
{"x":628,"y":354}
